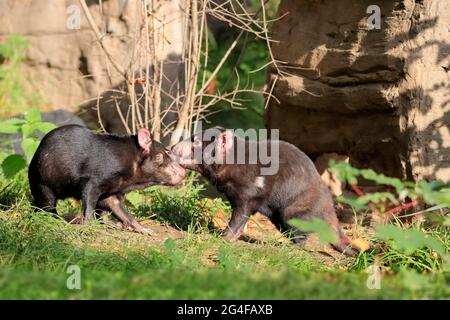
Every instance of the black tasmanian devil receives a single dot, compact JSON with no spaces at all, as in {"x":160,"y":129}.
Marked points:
{"x":290,"y":188}
{"x":99,"y":169}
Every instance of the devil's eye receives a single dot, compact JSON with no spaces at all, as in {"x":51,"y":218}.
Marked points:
{"x":169,"y":154}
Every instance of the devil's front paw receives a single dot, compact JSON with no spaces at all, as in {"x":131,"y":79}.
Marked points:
{"x":137,"y":227}
{"x":230,"y":236}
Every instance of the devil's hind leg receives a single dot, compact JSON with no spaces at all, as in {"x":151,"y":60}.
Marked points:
{"x":44,"y":197}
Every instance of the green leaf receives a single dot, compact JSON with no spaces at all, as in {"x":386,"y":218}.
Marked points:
{"x":408,"y":240}
{"x":344,"y":171}
{"x":45,"y":127}
{"x":369,"y":174}
{"x":27,"y":130}
{"x":398,"y":238}
{"x":29,"y":147}
{"x":431,"y":196}
{"x":33,"y":116}
{"x":11,"y":126}
{"x":325,"y":231}
{"x":434,"y":244}
{"x":12,"y":165}
{"x":362,"y":201}
{"x":433,"y":193}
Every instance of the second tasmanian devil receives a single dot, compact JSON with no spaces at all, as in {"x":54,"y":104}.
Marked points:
{"x":295,"y":190}
{"x":99,"y":169}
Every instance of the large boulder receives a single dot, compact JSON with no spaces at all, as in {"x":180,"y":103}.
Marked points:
{"x":379,"y":96}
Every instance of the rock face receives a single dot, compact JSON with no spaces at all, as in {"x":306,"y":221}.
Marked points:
{"x":68,"y":66}
{"x":380,"y":96}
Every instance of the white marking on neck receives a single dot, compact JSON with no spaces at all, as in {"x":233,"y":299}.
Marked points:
{"x":259,"y":182}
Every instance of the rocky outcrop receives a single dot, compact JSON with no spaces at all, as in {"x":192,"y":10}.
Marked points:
{"x":68,"y":67}
{"x":379,"y":96}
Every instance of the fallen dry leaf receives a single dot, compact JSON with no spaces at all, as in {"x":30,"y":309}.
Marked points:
{"x":220,"y":220}
{"x":361,"y":244}
{"x":74,"y":203}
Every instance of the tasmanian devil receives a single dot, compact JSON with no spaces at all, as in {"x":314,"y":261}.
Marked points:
{"x":293,"y":190}
{"x":99,"y":169}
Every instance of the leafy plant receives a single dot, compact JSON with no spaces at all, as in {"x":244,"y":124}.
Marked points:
{"x":12,"y":165}
{"x":408,"y":240}
{"x":26,"y":127}
{"x":324,"y":231}
{"x":396,"y":246}
{"x":432,"y":193}
{"x":184,"y":208}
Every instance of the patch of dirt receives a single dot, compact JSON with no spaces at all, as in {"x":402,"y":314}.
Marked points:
{"x":114,"y":233}
{"x":162,"y":232}
{"x":116,"y":239}
{"x":259,"y":229}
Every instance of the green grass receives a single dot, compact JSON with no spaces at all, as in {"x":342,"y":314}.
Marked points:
{"x":204,"y":284}
{"x":36,"y":250}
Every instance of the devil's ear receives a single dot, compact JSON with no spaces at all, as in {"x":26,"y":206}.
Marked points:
{"x":225,"y":141}
{"x":144,"y":139}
